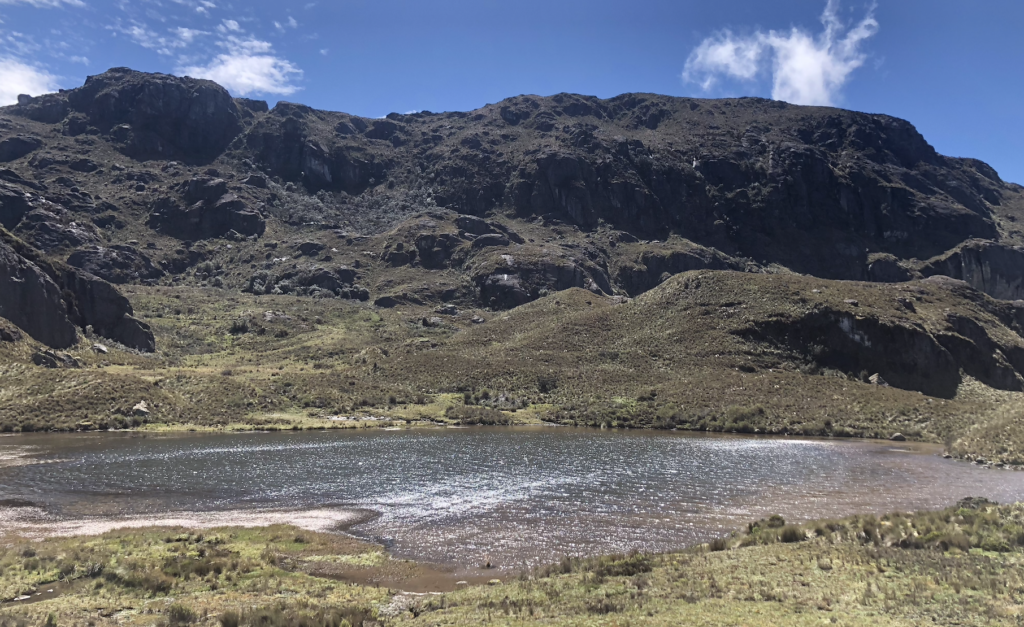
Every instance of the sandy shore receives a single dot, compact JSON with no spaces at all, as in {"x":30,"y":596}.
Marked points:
{"x":35,"y":523}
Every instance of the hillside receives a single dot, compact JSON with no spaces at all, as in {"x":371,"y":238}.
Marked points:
{"x":737,"y":264}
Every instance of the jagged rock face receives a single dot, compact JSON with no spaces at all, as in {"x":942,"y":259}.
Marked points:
{"x":96,"y":303}
{"x":117,"y":264}
{"x":30,"y":299}
{"x":149,"y":116}
{"x":49,"y":300}
{"x":993,"y":268}
{"x":17,"y":147}
{"x":612,"y":195}
{"x":741,"y":175}
{"x":209,"y":210}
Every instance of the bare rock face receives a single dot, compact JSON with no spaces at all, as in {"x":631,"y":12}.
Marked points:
{"x":208,"y":210}
{"x":96,"y":303}
{"x":30,"y":299}
{"x":993,"y":268}
{"x":17,"y":147}
{"x":155,"y":116}
{"x":117,"y":264}
{"x":48,"y":301}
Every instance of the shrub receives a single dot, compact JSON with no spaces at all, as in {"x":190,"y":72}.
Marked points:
{"x":791,"y":533}
{"x":178,"y":614}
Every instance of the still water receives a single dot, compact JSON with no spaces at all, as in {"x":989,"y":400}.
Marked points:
{"x":461,"y":496}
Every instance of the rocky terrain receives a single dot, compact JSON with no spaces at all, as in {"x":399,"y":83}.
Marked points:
{"x":809,"y":241}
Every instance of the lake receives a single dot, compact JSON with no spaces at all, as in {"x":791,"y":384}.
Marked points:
{"x":514,"y":496}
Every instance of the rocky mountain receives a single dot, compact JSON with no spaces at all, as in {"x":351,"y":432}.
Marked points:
{"x":155,"y":182}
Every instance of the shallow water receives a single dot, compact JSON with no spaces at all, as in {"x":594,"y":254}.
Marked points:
{"x":517,"y":496}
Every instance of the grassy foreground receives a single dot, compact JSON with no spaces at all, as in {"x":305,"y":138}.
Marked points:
{"x":962,"y":565}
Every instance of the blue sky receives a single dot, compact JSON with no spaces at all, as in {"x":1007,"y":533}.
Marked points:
{"x":953,"y":68}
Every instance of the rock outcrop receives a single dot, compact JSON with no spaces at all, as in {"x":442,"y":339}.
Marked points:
{"x":48,"y":301}
{"x":117,"y":264}
{"x":993,"y":268}
{"x":155,"y":116}
{"x":208,"y":210}
{"x":32,"y":300}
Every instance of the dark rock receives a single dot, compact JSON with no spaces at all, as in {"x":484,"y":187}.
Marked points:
{"x":17,"y":147}
{"x":96,"y":303}
{"x":9,"y":332}
{"x":256,"y":180}
{"x":852,"y":302}
{"x":48,"y":108}
{"x":52,"y":359}
{"x":993,"y":268}
{"x":474,"y":225}
{"x":477,"y":320}
{"x":32,"y":301}
{"x":83,"y":165}
{"x":887,"y":269}
{"x":490,"y":239}
{"x":448,"y":310}
{"x":387,"y":302}
{"x":117,"y":264}
{"x":310,"y":248}
{"x":155,"y":116}
{"x":13,"y":206}
{"x":48,"y":231}
{"x":898,"y":437}
{"x":211,"y":211}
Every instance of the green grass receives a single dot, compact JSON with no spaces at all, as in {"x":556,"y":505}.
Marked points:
{"x":679,"y":357}
{"x":962,"y":565}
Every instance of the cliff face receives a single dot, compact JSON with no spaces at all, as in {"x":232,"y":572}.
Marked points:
{"x":150,"y":178}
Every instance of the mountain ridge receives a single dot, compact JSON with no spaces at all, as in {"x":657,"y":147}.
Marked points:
{"x":168,"y":186}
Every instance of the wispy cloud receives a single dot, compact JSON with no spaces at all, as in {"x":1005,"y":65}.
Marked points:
{"x":17,"y":77}
{"x":805,"y":69}
{"x":175,"y":40}
{"x":46,"y":4}
{"x":248,"y":65}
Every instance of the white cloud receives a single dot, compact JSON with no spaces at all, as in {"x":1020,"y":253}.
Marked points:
{"x":248,"y":66}
{"x":46,"y":4}
{"x":243,"y":73}
{"x":229,"y":26}
{"x":292,"y":22}
{"x":805,"y":69}
{"x":78,"y":59}
{"x":324,"y":51}
{"x":17,"y":77}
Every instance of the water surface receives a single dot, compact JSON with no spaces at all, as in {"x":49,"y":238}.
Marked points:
{"x":460,"y":496}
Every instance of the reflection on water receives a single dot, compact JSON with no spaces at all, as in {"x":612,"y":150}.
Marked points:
{"x":515,"y":496}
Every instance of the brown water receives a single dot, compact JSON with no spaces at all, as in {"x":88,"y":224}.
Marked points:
{"x":459,"y":496}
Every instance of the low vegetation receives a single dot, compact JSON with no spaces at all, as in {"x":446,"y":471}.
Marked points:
{"x":961,"y":565}
{"x":677,"y":358}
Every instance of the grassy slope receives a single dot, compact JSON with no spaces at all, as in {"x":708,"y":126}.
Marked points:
{"x":957,"y":566}
{"x":673,"y":357}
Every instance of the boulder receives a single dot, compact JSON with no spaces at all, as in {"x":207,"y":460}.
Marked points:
{"x":141,"y":409}
{"x":96,"y":303}
{"x":32,"y":300}
{"x":52,"y":359}
{"x":14,"y":204}
{"x":256,"y":180}
{"x":898,"y":437}
{"x":209,"y":211}
{"x":9,"y":332}
{"x":117,"y":264}
{"x":490,"y":239}
{"x":17,"y":147}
